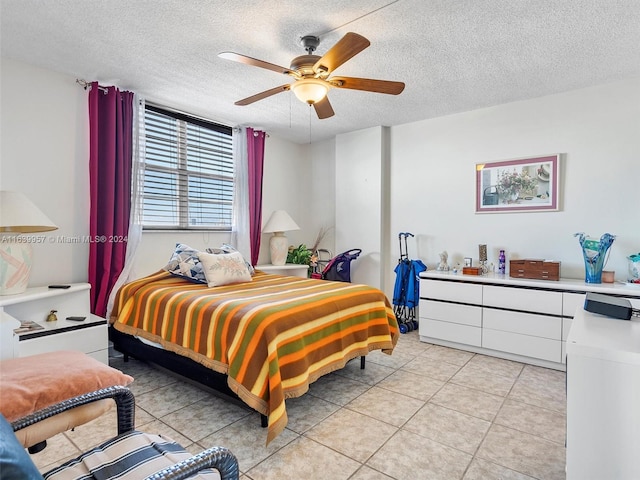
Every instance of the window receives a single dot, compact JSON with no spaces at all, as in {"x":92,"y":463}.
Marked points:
{"x":188,"y":173}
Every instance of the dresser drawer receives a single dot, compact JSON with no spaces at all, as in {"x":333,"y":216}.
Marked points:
{"x":451,"y":312}
{"x":524,"y":299}
{"x":525,"y":345}
{"x":571,"y":302}
{"x":86,"y":340}
{"x":451,"y":291}
{"x":522,"y":323}
{"x":452,"y":332}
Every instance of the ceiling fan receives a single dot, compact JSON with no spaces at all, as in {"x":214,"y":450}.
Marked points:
{"x":311,"y":73}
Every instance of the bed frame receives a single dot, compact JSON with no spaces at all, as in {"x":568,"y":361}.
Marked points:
{"x":130,"y":346}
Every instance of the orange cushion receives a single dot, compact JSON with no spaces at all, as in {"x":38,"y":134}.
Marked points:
{"x":29,"y":384}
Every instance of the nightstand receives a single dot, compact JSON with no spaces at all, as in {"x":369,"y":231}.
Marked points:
{"x":290,"y":269}
{"x":88,"y":336}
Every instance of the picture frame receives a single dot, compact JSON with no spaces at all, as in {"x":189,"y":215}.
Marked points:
{"x":468,"y":261}
{"x":529,"y":184}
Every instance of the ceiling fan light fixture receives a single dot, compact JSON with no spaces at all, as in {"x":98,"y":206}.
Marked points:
{"x":310,"y":90}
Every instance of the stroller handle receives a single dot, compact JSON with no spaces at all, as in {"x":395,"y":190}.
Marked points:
{"x":405,"y":234}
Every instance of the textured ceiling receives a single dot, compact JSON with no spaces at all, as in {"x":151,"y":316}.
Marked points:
{"x":453,"y":55}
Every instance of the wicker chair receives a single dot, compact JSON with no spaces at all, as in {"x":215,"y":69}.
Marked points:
{"x":155,"y":457}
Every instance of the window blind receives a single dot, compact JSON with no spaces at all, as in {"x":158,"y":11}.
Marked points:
{"x":188,"y":172}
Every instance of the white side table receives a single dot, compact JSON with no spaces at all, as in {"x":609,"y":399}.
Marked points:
{"x":88,"y":336}
{"x":290,"y":269}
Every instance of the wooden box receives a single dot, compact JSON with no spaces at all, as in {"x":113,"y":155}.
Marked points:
{"x":534,"y":269}
{"x":472,"y":270}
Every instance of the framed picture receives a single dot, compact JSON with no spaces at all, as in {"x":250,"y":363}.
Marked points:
{"x":468,"y":261}
{"x":520,"y":185}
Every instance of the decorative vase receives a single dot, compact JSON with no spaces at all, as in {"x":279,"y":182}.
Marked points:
{"x":594,"y":253}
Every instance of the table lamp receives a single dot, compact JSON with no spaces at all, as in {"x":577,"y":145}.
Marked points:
{"x":18,"y":215}
{"x":278,"y":223}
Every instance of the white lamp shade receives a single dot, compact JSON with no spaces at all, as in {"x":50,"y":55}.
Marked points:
{"x":280,"y":221}
{"x":19,"y":215}
{"x":310,"y":90}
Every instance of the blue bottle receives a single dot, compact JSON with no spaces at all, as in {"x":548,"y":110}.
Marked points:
{"x":502,"y":263}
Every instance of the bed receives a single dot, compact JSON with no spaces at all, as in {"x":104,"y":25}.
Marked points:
{"x":270,"y":337}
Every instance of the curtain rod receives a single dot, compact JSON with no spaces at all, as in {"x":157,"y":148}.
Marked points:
{"x":87,"y":85}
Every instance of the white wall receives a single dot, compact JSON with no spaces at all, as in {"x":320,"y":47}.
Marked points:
{"x":361,"y":211}
{"x":45,"y":154}
{"x":598,"y":130}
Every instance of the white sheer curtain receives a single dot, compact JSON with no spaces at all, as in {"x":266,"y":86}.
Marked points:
{"x":240,"y":230}
{"x":137,"y":184}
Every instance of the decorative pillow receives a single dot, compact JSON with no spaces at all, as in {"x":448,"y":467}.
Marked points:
{"x":226,"y":248}
{"x":224,"y":268}
{"x":34,"y":382}
{"x":184,"y":263}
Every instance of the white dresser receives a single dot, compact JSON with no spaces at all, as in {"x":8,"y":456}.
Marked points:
{"x":603,"y":397}
{"x":518,"y":319}
{"x":88,"y":336}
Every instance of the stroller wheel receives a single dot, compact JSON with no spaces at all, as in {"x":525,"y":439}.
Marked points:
{"x":403,"y":328}
{"x":415,"y":324}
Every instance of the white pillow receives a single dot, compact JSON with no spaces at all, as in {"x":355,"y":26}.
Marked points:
{"x":224,"y":268}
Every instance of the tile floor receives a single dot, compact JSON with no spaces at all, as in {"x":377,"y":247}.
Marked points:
{"x":424,"y":412}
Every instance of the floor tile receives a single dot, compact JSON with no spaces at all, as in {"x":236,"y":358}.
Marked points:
{"x":170,"y":398}
{"x":355,"y":435}
{"x":337,"y":388}
{"x":304,"y":459}
{"x":497,"y":366}
{"x":390,"y":407}
{"x":468,"y":400}
{"x":422,"y":388}
{"x":541,"y":387}
{"x":408,"y":415}
{"x":483,"y":470}
{"x":395,"y":360}
{"x":201,"y":419}
{"x":523,"y":453}
{"x":371,"y":375}
{"x":307,"y":411}
{"x":449,"y":355}
{"x":407,"y":456}
{"x":368,"y":473}
{"x":541,"y":422}
{"x":246,"y":439}
{"x":429,"y":367}
{"x":479,"y":378}
{"x":448,"y":427}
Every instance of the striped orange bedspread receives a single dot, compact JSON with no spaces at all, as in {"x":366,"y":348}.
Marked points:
{"x":272,"y":336}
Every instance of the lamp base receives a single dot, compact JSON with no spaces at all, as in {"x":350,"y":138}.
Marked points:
{"x":15,"y":267}
{"x":278,"y":248}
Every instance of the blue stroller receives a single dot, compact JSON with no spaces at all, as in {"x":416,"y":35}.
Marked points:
{"x":406,"y":292}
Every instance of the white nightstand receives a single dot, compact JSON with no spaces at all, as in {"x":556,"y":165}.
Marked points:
{"x":290,"y":269}
{"x":88,"y":336}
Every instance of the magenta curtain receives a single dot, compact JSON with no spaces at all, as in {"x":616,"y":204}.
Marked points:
{"x":255,"y":154}
{"x":110,"y":149}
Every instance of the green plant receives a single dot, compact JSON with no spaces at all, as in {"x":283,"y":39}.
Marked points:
{"x":299,"y":255}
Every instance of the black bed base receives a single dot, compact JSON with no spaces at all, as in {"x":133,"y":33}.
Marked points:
{"x":130,"y":346}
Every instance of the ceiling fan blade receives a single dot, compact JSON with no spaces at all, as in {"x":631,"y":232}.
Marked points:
{"x":368,"y":84}
{"x":236,"y":57}
{"x":323,"y":108}
{"x":347,"y":47}
{"x":261,"y":95}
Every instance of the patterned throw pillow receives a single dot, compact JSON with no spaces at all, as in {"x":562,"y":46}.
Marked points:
{"x":224,"y":268}
{"x":226,"y":248}
{"x":185,"y":263}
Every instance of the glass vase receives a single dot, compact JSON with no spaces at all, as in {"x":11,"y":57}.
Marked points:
{"x":594,"y":253}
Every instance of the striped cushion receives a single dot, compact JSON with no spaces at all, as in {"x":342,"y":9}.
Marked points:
{"x":133,"y":455}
